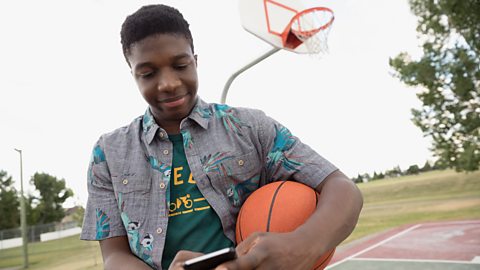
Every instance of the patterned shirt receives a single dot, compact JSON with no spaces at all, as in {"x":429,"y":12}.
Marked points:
{"x":231,"y":153}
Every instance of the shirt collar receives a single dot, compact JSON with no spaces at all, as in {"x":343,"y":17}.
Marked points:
{"x":149,"y":125}
{"x":201,"y":114}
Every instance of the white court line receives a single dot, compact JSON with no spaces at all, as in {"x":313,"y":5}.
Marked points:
{"x":413,"y":260}
{"x":457,"y":222}
{"x":376,"y":245}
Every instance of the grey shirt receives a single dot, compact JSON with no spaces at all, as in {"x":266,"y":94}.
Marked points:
{"x":231,"y":152}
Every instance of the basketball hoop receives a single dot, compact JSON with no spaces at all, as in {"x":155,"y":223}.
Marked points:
{"x":285,"y":24}
{"x":309,"y":27}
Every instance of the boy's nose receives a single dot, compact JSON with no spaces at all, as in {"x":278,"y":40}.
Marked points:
{"x":168,"y":81}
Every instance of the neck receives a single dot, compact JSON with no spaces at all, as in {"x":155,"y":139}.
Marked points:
{"x":172,"y":129}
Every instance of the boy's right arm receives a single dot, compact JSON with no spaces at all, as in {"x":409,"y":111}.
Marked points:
{"x":117,"y":255}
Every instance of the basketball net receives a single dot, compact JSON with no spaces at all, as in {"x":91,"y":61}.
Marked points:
{"x":311,"y":27}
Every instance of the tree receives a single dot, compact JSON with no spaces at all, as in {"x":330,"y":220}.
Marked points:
{"x":449,"y":74}
{"x":440,"y":165}
{"x":78,"y":215}
{"x":413,"y":169}
{"x":359,"y":179}
{"x":395,"y":172}
{"x":53,"y":193}
{"x":9,"y":204}
{"x":32,"y":215}
{"x":427,"y":167}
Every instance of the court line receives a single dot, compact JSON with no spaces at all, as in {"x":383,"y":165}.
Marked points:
{"x":413,"y":260}
{"x":456,"y":222}
{"x":376,"y":245}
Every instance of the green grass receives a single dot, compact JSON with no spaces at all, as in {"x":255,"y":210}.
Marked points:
{"x":432,"y":196}
{"x":67,"y":253}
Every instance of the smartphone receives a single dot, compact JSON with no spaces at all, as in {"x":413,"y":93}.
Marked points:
{"x":210,"y":260}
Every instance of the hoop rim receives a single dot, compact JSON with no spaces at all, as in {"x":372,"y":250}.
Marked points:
{"x":290,"y":37}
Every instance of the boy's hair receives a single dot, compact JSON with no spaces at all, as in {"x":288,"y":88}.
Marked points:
{"x":151,"y":20}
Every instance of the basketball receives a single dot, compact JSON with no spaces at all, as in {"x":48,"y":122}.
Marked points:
{"x":279,"y":207}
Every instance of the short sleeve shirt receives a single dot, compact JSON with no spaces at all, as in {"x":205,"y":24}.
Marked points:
{"x":231,"y":153}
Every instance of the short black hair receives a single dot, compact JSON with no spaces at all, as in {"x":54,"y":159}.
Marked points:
{"x":151,"y":20}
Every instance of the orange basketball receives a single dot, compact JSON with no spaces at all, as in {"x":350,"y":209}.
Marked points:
{"x":279,"y":207}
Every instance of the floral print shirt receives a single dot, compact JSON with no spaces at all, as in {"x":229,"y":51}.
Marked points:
{"x":231,"y":153}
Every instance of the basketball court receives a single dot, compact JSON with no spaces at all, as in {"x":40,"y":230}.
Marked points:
{"x":441,"y":245}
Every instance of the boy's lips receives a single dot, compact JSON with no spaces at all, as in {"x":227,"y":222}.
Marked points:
{"x":173,"y":102}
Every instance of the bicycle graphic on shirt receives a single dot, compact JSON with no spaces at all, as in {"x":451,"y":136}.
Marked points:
{"x":185,"y":205}
{"x":183,"y":200}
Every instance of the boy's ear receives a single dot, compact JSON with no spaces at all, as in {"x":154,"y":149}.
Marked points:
{"x":196,"y":63}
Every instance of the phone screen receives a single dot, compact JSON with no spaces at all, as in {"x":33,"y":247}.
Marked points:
{"x":210,"y":260}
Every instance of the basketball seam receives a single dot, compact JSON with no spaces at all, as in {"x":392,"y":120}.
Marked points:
{"x":240,"y":227}
{"x":272,"y":204}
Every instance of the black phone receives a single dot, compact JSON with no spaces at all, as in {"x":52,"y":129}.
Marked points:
{"x":210,"y":260}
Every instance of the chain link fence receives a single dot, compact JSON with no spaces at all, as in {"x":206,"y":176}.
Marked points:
{"x":34,"y":232}
{"x":65,"y":251}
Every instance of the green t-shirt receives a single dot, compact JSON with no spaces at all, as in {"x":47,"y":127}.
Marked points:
{"x":192,"y":224}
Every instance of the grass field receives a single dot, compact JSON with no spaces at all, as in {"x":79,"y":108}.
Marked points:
{"x":64,"y":254}
{"x":432,"y":196}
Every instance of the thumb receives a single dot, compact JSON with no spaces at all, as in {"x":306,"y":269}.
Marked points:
{"x":247,"y":244}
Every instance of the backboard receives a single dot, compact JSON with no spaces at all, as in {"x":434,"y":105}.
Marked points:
{"x":300,"y":26}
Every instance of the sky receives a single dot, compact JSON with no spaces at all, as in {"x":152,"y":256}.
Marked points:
{"x":64,"y":82}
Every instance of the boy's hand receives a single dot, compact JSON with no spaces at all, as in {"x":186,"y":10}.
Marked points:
{"x":271,"y":251}
{"x":181,"y":257}
{"x":333,"y":221}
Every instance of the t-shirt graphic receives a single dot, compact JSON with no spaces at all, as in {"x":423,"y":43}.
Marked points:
{"x":192,"y":224}
{"x":185,"y":198}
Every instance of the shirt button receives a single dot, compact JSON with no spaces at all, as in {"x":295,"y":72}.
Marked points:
{"x":161,"y":134}
{"x":165,"y":152}
{"x":159,"y":230}
{"x":162,"y":185}
{"x":241,"y":162}
{"x":125,"y":181}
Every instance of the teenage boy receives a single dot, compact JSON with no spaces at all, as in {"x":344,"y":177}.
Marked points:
{"x":168,"y":187}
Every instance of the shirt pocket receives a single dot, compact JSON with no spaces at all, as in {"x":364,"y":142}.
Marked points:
{"x":133,"y":198}
{"x":239,"y":177}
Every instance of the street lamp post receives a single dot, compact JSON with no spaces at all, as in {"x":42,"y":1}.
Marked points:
{"x":23,"y":214}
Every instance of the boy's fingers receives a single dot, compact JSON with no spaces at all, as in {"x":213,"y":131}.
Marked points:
{"x":250,"y":254}
{"x":248,"y":243}
{"x":181,"y":257}
{"x":248,"y":261}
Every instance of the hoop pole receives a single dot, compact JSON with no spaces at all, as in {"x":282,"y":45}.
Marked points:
{"x":249,"y":65}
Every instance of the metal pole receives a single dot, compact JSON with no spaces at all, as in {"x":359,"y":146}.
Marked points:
{"x":23,"y":214}
{"x":251,"y":64}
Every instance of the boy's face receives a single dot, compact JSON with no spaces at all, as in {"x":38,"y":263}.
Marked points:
{"x":165,"y":70}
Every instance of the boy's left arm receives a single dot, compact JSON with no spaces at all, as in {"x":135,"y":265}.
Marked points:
{"x":335,"y":218}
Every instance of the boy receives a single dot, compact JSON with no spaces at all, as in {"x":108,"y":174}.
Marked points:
{"x":168,"y":187}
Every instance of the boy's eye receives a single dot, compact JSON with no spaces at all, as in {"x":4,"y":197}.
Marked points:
{"x":181,"y":66}
{"x":145,"y":74}
{"x":182,"y":63}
